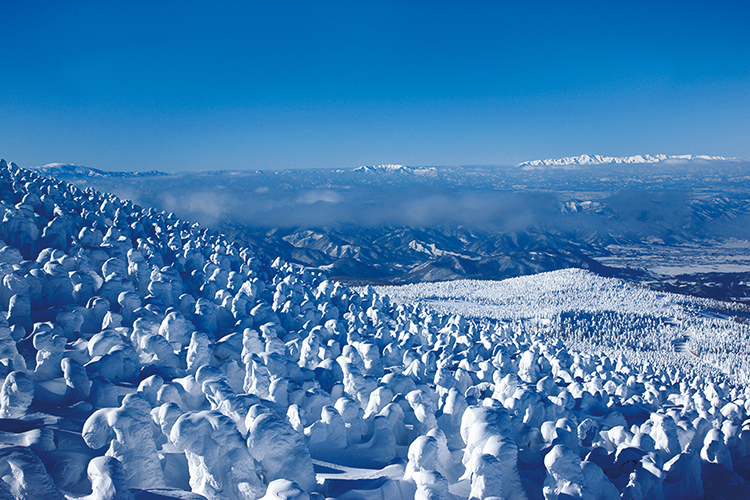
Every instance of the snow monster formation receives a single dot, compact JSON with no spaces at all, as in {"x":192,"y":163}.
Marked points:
{"x":144,"y":357}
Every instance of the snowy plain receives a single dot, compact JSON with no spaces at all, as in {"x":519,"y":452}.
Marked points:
{"x":144,"y":356}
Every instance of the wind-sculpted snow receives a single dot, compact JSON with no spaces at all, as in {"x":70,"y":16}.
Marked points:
{"x":142,"y":356}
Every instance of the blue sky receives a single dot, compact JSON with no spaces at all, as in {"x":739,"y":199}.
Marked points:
{"x":174,"y":85}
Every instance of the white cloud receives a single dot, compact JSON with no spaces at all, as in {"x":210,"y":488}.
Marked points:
{"x":324,"y":195}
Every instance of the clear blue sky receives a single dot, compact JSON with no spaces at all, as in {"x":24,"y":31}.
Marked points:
{"x":289,"y":84}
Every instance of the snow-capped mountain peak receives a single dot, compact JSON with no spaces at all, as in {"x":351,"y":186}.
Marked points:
{"x":601,"y":160}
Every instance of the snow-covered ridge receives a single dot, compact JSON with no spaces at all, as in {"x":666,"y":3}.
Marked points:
{"x":601,"y":160}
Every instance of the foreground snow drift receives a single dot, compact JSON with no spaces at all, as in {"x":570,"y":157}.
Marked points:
{"x":145,"y":357}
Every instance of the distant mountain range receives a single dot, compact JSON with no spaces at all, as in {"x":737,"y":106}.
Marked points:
{"x":601,"y":160}
{"x":65,"y":171}
{"x":389,"y":169}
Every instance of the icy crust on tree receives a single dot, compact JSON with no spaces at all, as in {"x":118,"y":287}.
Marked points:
{"x":142,"y":356}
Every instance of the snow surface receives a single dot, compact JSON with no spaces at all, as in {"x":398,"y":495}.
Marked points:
{"x":142,"y":356}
